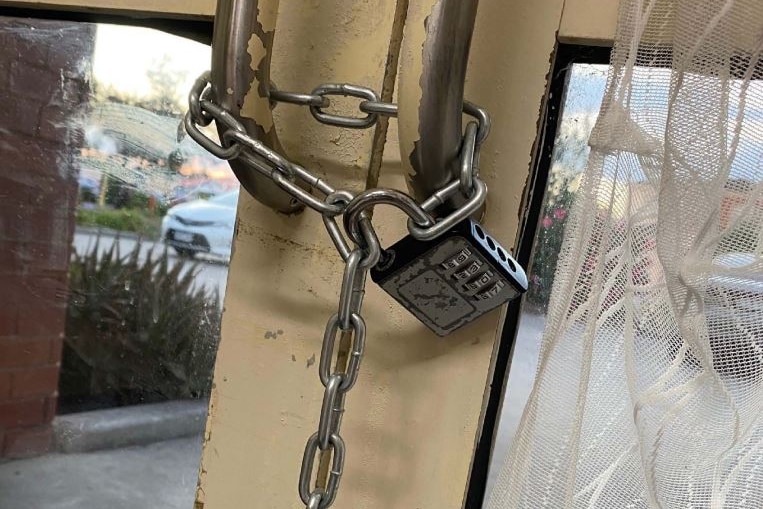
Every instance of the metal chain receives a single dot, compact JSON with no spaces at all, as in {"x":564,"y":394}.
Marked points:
{"x":360,"y":253}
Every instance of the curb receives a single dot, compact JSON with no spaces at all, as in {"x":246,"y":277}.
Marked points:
{"x":128,"y":426}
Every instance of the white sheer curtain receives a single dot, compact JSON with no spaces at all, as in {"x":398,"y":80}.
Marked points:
{"x":649,"y":392}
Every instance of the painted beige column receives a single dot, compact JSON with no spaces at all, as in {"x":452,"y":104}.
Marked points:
{"x":412,"y":418}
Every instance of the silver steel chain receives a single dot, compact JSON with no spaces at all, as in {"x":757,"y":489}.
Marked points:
{"x":360,"y":249}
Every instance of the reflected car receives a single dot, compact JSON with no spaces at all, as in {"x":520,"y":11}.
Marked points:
{"x":202,"y":226}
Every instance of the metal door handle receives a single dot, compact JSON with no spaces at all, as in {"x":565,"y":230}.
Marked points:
{"x":242,"y":47}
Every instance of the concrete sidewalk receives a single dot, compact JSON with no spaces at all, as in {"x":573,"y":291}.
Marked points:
{"x":161,"y":475}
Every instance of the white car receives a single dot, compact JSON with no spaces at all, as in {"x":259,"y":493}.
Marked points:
{"x":202,"y":226}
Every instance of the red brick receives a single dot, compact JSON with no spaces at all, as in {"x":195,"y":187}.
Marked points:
{"x":33,"y":82}
{"x":10,"y":259}
{"x":22,"y":413}
{"x":5,"y":73}
{"x":21,"y":116}
{"x":27,"y":442}
{"x":51,"y":407}
{"x":56,"y":349}
{"x":46,"y":258}
{"x":46,"y":190}
{"x":46,"y":286}
{"x":27,"y":224}
{"x":8,"y":310}
{"x":41,"y":319}
{"x":16,"y":189}
{"x":22,"y":352}
{"x":35,"y":382}
{"x":29,"y":50}
{"x":62,"y":125}
{"x":63,"y":57}
{"x":5,"y":385}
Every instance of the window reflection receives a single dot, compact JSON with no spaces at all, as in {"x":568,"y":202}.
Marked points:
{"x":115,"y":233}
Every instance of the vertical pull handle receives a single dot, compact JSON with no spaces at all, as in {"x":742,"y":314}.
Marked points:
{"x":431,"y":96}
{"x":242,"y":47}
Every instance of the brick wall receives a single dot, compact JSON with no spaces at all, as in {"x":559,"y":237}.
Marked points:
{"x":44,"y":68}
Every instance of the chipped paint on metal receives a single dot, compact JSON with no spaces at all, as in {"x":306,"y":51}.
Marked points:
{"x":267,"y":13}
{"x":257,"y":105}
{"x":410,"y":87}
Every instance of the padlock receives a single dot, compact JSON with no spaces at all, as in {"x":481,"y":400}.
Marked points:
{"x":451,"y":280}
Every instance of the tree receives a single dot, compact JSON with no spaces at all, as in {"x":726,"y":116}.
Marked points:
{"x":567,"y":163}
{"x":165,"y":96}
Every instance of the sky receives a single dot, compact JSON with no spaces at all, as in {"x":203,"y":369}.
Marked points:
{"x":124,"y":53}
{"x":585,"y":92}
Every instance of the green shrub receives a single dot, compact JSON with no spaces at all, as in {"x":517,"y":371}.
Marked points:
{"x":125,"y":220}
{"x":137,"y":330}
{"x":548,"y":241}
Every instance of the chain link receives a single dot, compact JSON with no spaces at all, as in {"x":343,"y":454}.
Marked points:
{"x":360,"y":250}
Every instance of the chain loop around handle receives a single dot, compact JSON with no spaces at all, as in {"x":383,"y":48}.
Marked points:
{"x":297,"y":98}
{"x":217,"y":113}
{"x":468,"y":147}
{"x":346,"y":90}
{"x":200,"y":90}
{"x":471,"y":206}
{"x":360,"y":249}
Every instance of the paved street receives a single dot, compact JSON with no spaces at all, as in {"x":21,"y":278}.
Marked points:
{"x":213,"y":274}
{"x":161,"y":476}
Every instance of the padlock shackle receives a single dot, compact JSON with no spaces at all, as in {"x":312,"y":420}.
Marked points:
{"x":382,"y":196}
{"x":434,"y":99}
{"x":238,"y":82}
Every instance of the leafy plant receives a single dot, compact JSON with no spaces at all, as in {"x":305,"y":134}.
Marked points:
{"x":137,"y":330}
{"x":548,"y":240}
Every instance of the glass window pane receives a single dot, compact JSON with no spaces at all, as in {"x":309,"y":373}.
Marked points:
{"x":583,"y":96}
{"x":115,"y":234}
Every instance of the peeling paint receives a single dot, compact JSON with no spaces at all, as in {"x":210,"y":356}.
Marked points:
{"x":257,"y":106}
{"x":267,"y":13}
{"x":410,"y":90}
{"x":273,"y":334}
{"x":252,"y":229}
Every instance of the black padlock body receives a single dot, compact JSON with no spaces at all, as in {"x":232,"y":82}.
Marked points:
{"x":451,"y":280}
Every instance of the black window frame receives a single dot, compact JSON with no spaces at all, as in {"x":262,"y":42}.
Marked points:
{"x":194,"y":28}
{"x":563,"y":58}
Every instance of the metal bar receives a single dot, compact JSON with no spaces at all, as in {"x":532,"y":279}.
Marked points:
{"x":244,"y":30}
{"x":435,"y":158}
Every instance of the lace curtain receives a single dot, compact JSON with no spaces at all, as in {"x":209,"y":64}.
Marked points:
{"x":649,"y":391}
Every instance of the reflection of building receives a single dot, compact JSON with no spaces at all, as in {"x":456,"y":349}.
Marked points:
{"x":47,"y":88}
